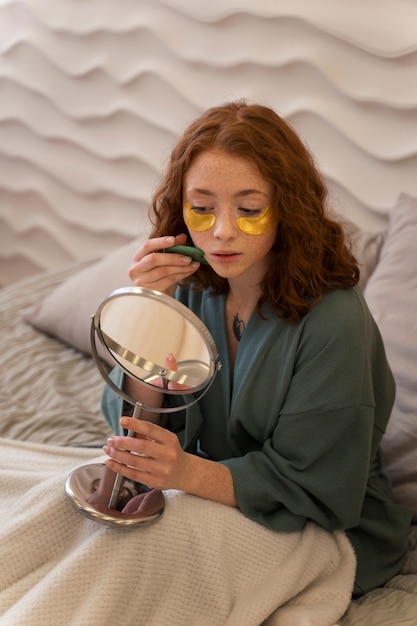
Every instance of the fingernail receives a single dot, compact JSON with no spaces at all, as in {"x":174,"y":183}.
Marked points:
{"x":170,"y":357}
{"x":169,"y":239}
{"x":110,"y":441}
{"x":106,"y":449}
{"x":186,"y":259}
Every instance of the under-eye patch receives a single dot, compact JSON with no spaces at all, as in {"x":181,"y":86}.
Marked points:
{"x":197,"y":221}
{"x":256,"y":225}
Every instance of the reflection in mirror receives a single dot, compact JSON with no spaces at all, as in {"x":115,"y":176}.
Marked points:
{"x":83,"y":481}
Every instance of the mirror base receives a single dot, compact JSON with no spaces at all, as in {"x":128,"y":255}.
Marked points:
{"x":83,"y":481}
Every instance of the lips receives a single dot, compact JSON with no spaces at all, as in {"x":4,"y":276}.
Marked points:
{"x":225,"y":257}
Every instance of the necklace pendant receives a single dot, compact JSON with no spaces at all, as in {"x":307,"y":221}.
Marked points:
{"x":238,"y":327}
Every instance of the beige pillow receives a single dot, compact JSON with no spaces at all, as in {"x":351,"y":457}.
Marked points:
{"x":391,"y":293}
{"x":66,"y":312}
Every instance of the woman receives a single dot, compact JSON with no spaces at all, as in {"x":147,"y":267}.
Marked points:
{"x":290,"y":429}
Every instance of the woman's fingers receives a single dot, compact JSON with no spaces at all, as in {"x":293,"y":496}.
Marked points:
{"x":147,"y":441}
{"x":146,"y":436}
{"x":158,"y":269}
{"x":153,"y":268}
{"x":155,"y":244}
{"x":152,"y":457}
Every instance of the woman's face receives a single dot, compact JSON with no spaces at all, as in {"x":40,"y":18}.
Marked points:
{"x":228,"y":214}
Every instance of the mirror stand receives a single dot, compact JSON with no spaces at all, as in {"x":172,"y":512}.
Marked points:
{"x":127,"y":324}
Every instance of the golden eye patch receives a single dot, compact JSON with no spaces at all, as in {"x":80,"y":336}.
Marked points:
{"x":197,"y":221}
{"x":256,"y":225}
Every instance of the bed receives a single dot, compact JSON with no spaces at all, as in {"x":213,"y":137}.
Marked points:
{"x":50,"y":393}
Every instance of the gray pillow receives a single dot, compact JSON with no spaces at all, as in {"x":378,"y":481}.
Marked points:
{"x":391,"y":293}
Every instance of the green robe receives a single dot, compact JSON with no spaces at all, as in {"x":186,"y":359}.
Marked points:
{"x":300,"y":426}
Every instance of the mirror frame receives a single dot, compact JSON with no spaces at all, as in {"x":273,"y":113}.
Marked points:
{"x":96,"y":332}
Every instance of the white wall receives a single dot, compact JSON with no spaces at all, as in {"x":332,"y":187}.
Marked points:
{"x":93,"y":93}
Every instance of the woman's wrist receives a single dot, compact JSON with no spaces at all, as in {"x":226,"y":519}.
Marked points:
{"x":208,"y":479}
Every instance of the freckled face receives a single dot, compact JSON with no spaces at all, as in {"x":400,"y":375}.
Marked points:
{"x":227,"y":212}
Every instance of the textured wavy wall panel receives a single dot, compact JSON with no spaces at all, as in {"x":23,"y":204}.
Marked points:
{"x":93,"y":94}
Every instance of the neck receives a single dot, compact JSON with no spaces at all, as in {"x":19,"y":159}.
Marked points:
{"x":245,"y":288}
{"x":243,"y":295}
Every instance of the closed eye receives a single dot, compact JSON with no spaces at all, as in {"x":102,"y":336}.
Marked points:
{"x":250,"y":212}
{"x":202,"y":209}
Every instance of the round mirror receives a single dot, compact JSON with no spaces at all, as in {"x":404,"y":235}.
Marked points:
{"x":136,"y":329}
{"x":139,"y":327}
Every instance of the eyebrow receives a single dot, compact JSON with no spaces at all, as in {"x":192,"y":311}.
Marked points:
{"x":240,"y":194}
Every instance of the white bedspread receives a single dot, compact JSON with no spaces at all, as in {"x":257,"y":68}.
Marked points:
{"x":201,"y":564}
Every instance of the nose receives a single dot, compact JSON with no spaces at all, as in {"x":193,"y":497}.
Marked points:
{"x":225,"y":225}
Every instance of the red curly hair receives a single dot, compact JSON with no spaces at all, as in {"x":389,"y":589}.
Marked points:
{"x":311,"y":254}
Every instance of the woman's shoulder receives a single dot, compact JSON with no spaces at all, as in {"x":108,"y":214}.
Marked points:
{"x":340,"y":312}
{"x":347,"y":303}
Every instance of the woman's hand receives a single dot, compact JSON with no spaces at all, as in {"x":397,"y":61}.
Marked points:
{"x":153,"y":456}
{"x":154,"y":269}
